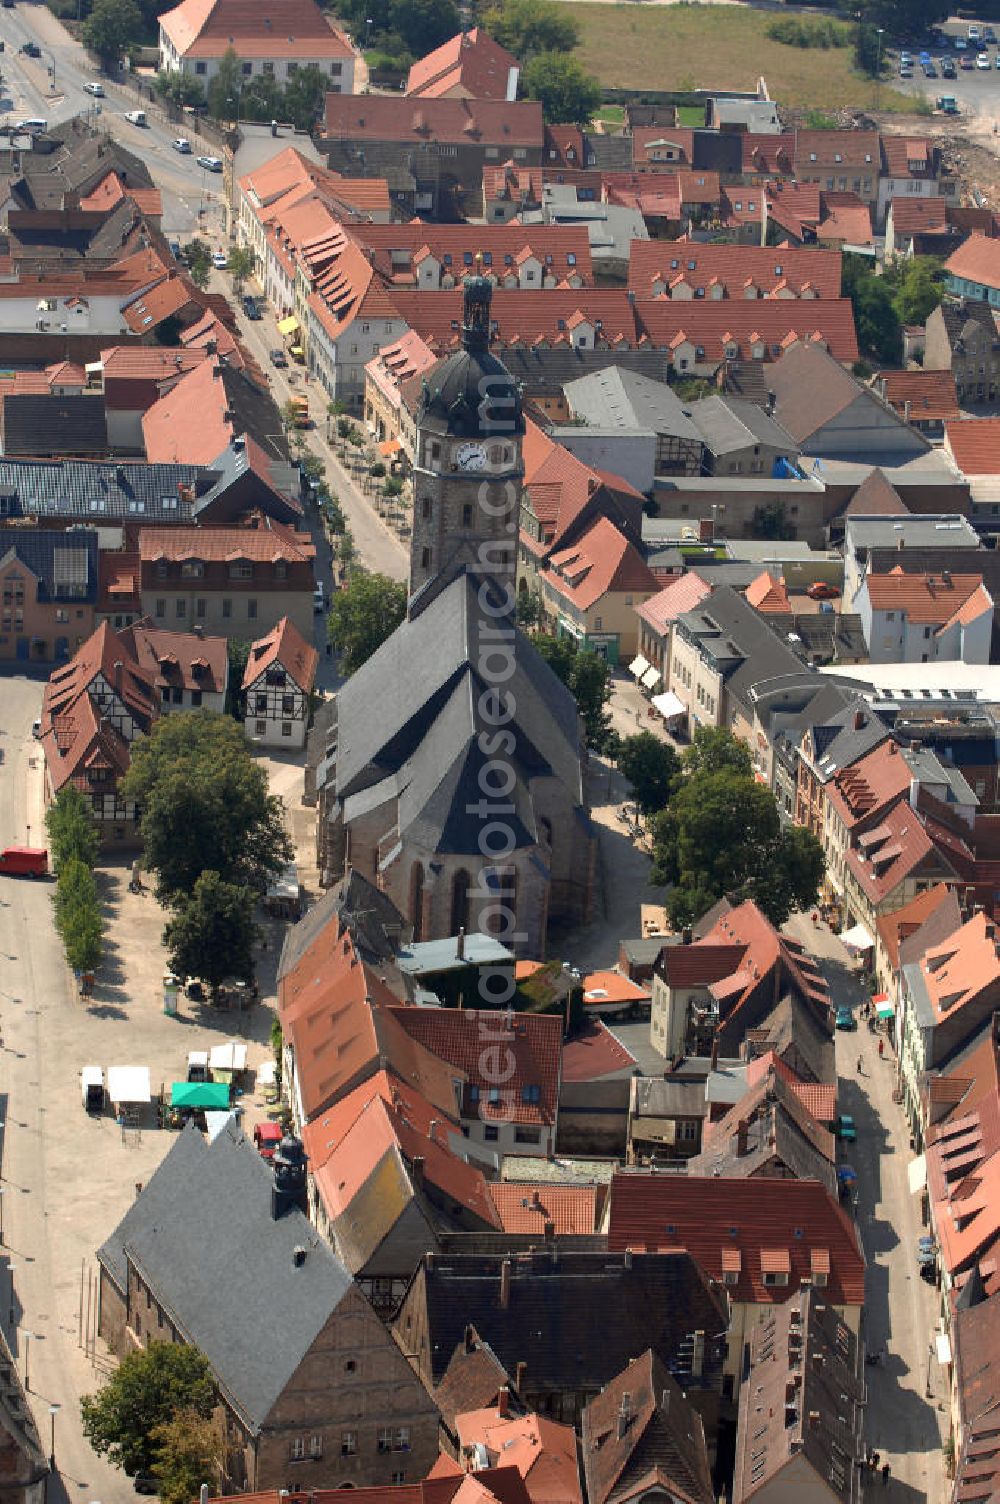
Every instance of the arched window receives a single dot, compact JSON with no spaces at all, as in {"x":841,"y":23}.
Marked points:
{"x":416,"y":898}
{"x":425,"y":558}
{"x":460,"y":885}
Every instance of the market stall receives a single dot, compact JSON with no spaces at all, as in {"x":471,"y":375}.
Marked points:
{"x":128,"y":1092}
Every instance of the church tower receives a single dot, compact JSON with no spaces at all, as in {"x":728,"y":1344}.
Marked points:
{"x":468,"y":470}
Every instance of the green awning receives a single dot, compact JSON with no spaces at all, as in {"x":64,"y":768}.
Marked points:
{"x":211,"y":1096}
{"x":885,"y":1010}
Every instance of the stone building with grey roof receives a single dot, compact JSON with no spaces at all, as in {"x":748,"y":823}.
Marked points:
{"x":217,"y":1252}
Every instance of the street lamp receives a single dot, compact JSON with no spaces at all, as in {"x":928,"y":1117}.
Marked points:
{"x":880,"y":30}
{"x":53,"y":1412}
{"x":27,"y":1352}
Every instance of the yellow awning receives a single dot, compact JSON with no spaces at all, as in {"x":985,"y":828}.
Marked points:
{"x":289,"y":325}
{"x":296,"y":350}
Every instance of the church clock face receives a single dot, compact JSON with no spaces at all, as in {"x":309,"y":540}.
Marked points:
{"x":470,"y":456}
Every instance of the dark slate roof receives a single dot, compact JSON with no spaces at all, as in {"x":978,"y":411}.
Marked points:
{"x":746,"y":648}
{"x":717,"y":151}
{"x":409,"y":724}
{"x":66,"y":563}
{"x":89,"y":489}
{"x":255,"y":412}
{"x":549,"y":369}
{"x":204,"y":1239}
{"x":105,"y":240}
{"x":747,"y":379}
{"x":47,"y":423}
{"x":556,"y":1320}
{"x":958,"y":315}
{"x":372,"y":918}
{"x":69,"y":161}
{"x":609,"y":153}
{"x":792,"y":1025}
{"x":839,"y":741}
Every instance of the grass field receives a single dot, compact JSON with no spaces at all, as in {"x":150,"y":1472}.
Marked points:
{"x":718,"y":46}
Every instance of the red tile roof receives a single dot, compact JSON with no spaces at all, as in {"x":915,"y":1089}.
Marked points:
{"x":383,"y":117}
{"x":845,"y":220}
{"x":871,"y":784}
{"x":768,"y":594}
{"x":594,"y":1054}
{"x":763,"y":1220}
{"x":192,"y":422}
{"x":527,"y":1208}
{"x":908,"y":157}
{"x":78,"y":746}
{"x":560,"y":485}
{"x":295,"y":29}
{"x":286,"y":646}
{"x":181,"y":660}
{"x":735,"y":267}
{"x":601,"y":562}
{"x":148,"y":362}
{"x":271,"y":541}
{"x":962,"y":969}
{"x":470,"y":62}
{"x":674,"y":600}
{"x":700,"y":964}
{"x":978,"y":260}
{"x":819,"y":1098}
{"x":768,"y":154}
{"x":497,"y":1485}
{"x":896,"y":927}
{"x":975,"y":443}
{"x":608,"y":988}
{"x":461,"y":1037}
{"x":931,"y":395}
{"x":927,"y":598}
{"x":918,"y":216}
{"x":103,"y":650}
{"x":837,"y":151}
{"x":901,"y":844}
{"x":543,"y":1451}
{"x":776,"y":323}
{"x":563,"y":250}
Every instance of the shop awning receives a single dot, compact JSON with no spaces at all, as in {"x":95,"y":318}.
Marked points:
{"x":389,"y":447}
{"x":669,"y":706}
{"x":650,"y":678}
{"x":942,"y":1344}
{"x":885,"y":1010}
{"x":638,"y":666}
{"x":916,"y":1173}
{"x":857,"y":938}
{"x":211,"y":1096}
{"x":296,"y":350}
{"x":289,"y":325}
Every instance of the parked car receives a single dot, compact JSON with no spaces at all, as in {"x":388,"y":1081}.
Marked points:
{"x":24,"y":861}
{"x":906,"y":57}
{"x":948,"y":104}
{"x":31,"y":49}
{"x":820,"y":590}
{"x":989,"y":34}
{"x":252,"y":308}
{"x":137,"y":117}
{"x":923,"y":57}
{"x":844,"y":1019}
{"x":973,"y":33}
{"x":183,"y":145}
{"x":960,"y":44}
{"x":319,"y":598}
{"x":97,"y":90}
{"x":966,"y":63}
{"x":906,"y":70}
{"x":948,"y":69}
{"x":210,"y":164}
{"x":220,"y":260}
{"x":983,"y":61}
{"x":36,"y":729}
{"x":930,"y":71}
{"x":279,"y":359}
{"x":267,"y":1137}
{"x":845,"y":1129}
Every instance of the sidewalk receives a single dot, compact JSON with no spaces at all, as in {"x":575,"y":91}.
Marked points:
{"x":908,"y":1395}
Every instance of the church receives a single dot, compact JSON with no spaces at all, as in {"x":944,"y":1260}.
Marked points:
{"x":453,"y":775}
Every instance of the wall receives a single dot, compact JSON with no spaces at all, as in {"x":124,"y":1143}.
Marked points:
{"x":284,"y":705}
{"x":161,"y":599}
{"x":696,"y":684}
{"x":593,"y":1117}
{"x":38,"y":632}
{"x":630,"y":453}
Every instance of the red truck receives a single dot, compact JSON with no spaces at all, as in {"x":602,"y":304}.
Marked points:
{"x":24,"y":861}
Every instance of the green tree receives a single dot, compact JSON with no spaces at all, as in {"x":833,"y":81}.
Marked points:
{"x":568,"y":95}
{"x":241,"y":266}
{"x":146,"y":1390}
{"x":527,"y":27}
{"x":651,"y":767}
{"x":198,"y":258}
{"x":900,"y":19}
{"x":918,"y":288}
{"x":78,"y":916}
{"x":720,"y":836}
{"x":878,"y":325}
{"x":303,"y":96}
{"x":529,"y":608}
{"x":190,"y":1451}
{"x":588,"y":678}
{"x":424,"y":24}
{"x":225,"y":88}
{"x":179,"y":88}
{"x":212,"y":932}
{"x":238,"y":653}
{"x":362,"y":615}
{"x":770,"y":520}
{"x":111,"y":28}
{"x":71,"y":830}
{"x":205,"y":805}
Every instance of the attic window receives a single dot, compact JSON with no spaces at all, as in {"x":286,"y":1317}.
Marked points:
{"x":454,"y":325}
{"x":837,"y":157}
{"x":570,"y":258}
{"x":777,"y":270}
{"x":487,"y":258}
{"x":508,"y":260}
{"x":531,"y":1094}
{"x":467,"y":257}
{"x":446,"y":258}
{"x":868,"y":156}
{"x":692,"y":265}
{"x":812,"y":156}
{"x":674,"y":264}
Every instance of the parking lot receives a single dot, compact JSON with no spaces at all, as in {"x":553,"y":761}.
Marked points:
{"x":976,"y":90}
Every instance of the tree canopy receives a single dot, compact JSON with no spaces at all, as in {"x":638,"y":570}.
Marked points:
{"x":418,"y":26}
{"x":651,"y":767}
{"x":212,"y":932}
{"x":567,"y":94}
{"x":71,"y":830}
{"x":147,"y":1390}
{"x":205,"y":805}
{"x":900,"y":19}
{"x":112,"y":27}
{"x":528,"y":27}
{"x":190,"y":1451}
{"x":880,"y":332}
{"x":588,"y":678}
{"x":720,"y":836}
{"x":362,"y":615}
{"x":78,"y":916}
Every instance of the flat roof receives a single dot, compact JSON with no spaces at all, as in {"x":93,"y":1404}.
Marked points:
{"x":428,"y":956}
{"x":915,"y":683}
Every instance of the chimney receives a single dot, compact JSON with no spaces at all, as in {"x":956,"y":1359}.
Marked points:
{"x":686,"y":937}
{"x":715,"y":1052}
{"x":503,"y":1402}
{"x":814,"y":1420}
{"x":893,"y":749}
{"x":550,"y":1232}
{"x":298,"y":1256}
{"x":203,"y":1494}
{"x":906,"y":411}
{"x":624,"y":1415}
{"x":900,"y":545}
{"x":505,"y":1284}
{"x":138,"y":1189}
{"x":859,"y":719}
{"x":741,"y":1138}
{"x":432,"y":1129}
{"x":470,"y":1339}
{"x":665,"y":1401}
{"x":520,"y":1373}
{"x":118,"y":676}
{"x":460,"y":947}
{"x":698,"y":1355}
{"x":770,"y":404}
{"x":417,"y":1170}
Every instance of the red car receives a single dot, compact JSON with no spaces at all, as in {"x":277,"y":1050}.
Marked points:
{"x":821,"y":591}
{"x":267,"y":1137}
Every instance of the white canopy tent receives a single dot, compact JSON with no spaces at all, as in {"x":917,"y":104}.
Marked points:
{"x":669,"y":705}
{"x":231,"y":1056}
{"x":128,"y":1085}
{"x":638,"y":666}
{"x":857,"y":938}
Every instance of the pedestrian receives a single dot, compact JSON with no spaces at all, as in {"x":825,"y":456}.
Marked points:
{"x":860,"y":1071}
{"x":881,"y":1048}
{"x":875,"y":1460}
{"x":885,"y":1474}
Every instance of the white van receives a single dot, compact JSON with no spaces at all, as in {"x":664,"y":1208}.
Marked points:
{"x":33,"y":127}
{"x":136,"y":117}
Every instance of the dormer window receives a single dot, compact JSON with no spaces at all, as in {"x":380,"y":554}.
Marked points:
{"x":837,"y":157}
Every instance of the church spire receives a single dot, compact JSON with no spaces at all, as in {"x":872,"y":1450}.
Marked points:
{"x":477,"y":295}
